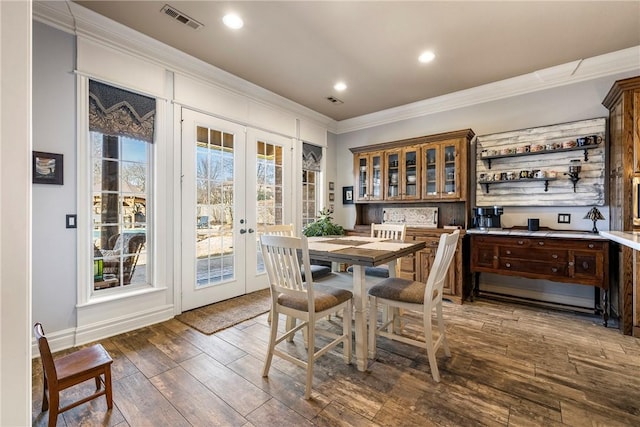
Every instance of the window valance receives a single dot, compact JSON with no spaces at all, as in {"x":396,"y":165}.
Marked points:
{"x":311,"y":157}
{"x":118,"y":112}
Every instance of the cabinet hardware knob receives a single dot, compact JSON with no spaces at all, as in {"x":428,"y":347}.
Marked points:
{"x":495,"y":257}
{"x":508,"y":252}
{"x":570,"y":263}
{"x":541,"y":243}
{"x":555,"y":270}
{"x":520,"y":242}
{"x":508,"y":265}
{"x":554,"y":256}
{"x":585,"y":265}
{"x":590,"y":245}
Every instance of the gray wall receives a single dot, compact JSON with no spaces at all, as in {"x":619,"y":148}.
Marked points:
{"x":54,"y":130}
{"x":564,"y":104}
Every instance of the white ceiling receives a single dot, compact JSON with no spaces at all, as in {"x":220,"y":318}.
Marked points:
{"x":299,"y":49}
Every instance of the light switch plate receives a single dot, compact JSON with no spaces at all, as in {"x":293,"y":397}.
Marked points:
{"x":564,"y":218}
{"x":72,"y":221}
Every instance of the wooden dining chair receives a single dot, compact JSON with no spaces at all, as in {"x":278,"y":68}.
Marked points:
{"x":72,"y":369}
{"x":304,"y":300}
{"x":422,"y":297}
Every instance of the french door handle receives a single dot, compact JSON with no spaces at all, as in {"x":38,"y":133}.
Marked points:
{"x":242,"y":231}
{"x":250,"y":230}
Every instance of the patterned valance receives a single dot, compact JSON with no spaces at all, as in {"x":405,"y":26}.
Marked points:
{"x":117,"y":112}
{"x":311,"y":157}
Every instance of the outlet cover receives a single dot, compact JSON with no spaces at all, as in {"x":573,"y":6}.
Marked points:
{"x":564,"y":218}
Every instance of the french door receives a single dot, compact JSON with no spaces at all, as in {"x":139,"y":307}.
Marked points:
{"x":234,"y":182}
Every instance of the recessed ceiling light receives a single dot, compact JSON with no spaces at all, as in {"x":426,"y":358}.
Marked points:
{"x":426,"y":57}
{"x":340,"y":86}
{"x":233,"y":21}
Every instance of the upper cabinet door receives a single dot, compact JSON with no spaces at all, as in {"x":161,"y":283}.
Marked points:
{"x":442,"y":175}
{"x":410,"y":183}
{"x":368,"y":167}
{"x":451,"y":174}
{"x":393,"y":175}
{"x":431,"y":174}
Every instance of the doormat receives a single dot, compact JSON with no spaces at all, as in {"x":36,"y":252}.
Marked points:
{"x":221,"y":315}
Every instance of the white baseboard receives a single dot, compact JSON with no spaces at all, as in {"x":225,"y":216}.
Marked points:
{"x":61,"y":340}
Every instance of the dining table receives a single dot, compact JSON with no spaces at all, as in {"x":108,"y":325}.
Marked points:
{"x":361,"y":252}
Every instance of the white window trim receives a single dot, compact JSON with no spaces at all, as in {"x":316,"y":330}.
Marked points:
{"x":86,"y":296}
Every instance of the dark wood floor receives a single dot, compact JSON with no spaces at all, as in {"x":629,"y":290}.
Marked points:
{"x":511,"y":365}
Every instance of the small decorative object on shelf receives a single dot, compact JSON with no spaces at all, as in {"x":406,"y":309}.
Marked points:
{"x":574,"y":172}
{"x":594,"y":215}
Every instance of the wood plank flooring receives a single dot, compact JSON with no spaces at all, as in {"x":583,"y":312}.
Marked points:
{"x":511,"y":365}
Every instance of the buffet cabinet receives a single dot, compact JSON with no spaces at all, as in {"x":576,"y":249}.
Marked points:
{"x":559,"y":259}
{"x":418,"y":265}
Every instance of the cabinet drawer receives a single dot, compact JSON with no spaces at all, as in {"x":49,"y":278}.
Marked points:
{"x":533,"y":267}
{"x":548,"y":254}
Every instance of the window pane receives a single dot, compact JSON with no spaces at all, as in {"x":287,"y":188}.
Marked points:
{"x":120,"y":202}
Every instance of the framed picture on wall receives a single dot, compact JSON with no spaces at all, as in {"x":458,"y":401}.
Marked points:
{"x":331,"y":186}
{"x":331,"y":197}
{"x":347,"y":195}
{"x":47,"y":168}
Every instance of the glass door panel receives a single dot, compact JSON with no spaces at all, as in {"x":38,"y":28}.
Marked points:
{"x":376,"y":177}
{"x":393,"y":175}
{"x":363,"y":178}
{"x":430,"y":177}
{"x":451,"y":171}
{"x":213,"y":252}
{"x":411,"y":177}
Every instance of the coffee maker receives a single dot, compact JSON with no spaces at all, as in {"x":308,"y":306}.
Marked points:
{"x":487,"y":217}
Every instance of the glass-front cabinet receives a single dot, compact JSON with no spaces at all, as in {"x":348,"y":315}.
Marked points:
{"x":402,"y":177}
{"x":369,"y":176}
{"x":441,"y":172}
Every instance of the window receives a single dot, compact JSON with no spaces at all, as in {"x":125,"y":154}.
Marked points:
{"x":121,"y":134}
{"x":311,"y":162}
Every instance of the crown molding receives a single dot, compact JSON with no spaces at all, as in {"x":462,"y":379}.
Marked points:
{"x":75,"y":19}
{"x":561,"y":75}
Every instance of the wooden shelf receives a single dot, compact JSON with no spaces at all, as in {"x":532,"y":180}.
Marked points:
{"x":557,"y":150}
{"x":546,"y":182}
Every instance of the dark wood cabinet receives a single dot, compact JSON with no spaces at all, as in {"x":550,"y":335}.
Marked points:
{"x":623,"y":103}
{"x":559,"y":259}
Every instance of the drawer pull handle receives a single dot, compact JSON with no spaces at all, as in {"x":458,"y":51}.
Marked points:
{"x":554,"y":256}
{"x":591,"y":245}
{"x":495,"y":257}
{"x":554,"y":269}
{"x":508,"y":252}
{"x":508,"y":265}
{"x":520,"y":242}
{"x":571,"y":264}
{"x":541,"y":243}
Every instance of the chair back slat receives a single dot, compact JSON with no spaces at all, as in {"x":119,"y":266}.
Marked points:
{"x":48,"y":366}
{"x":388,"y":231}
{"x":279,"y":230}
{"x":438,"y":274}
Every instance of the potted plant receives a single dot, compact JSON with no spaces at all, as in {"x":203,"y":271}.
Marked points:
{"x":323,"y":226}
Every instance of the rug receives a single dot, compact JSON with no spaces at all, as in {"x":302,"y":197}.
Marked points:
{"x":221,"y":315}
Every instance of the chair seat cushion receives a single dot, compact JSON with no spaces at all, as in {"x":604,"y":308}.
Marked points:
{"x":318,"y":271}
{"x":325,"y":298}
{"x":379,"y":271}
{"x":397,"y":289}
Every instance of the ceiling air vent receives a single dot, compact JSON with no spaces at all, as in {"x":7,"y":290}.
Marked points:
{"x":180,"y":17}
{"x":334,"y":100}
